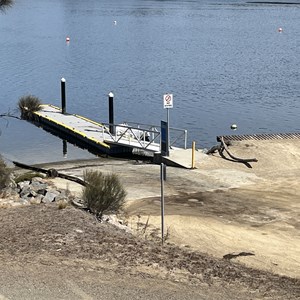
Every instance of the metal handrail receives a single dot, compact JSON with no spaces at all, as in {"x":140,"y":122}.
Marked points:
{"x":182,"y":134}
{"x":153,"y":132}
{"x":132,"y":132}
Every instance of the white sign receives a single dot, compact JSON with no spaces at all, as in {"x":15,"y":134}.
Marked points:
{"x":168,"y":101}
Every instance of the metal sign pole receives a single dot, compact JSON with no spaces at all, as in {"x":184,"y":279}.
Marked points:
{"x":162,"y":178}
{"x":168,"y":103}
{"x":168,"y":129}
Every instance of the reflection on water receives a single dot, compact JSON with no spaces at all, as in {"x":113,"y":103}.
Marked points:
{"x":224,"y":61}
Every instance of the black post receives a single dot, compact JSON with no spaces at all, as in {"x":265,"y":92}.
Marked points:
{"x":111,"y":112}
{"x":63,"y":95}
{"x":164,"y":140}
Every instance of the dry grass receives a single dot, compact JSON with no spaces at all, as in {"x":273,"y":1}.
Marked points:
{"x":4,"y":174}
{"x":28,"y":105}
{"x":62,"y":204}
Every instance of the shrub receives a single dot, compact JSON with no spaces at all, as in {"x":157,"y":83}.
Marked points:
{"x":103,"y":193}
{"x":28,"y":105}
{"x":28,"y":176}
{"x":4,"y":174}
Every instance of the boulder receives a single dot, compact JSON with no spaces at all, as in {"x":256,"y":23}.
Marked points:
{"x":37,"y":200}
{"x":50,"y":196}
{"x":25,"y":191}
{"x":23,"y":184}
{"x":37,"y":185}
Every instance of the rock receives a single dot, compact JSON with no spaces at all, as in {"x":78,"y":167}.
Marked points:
{"x":37,"y":200}
{"x":32,"y":194}
{"x":36,"y":186}
{"x":50,"y":196}
{"x":25,"y":191}
{"x":23,"y":184}
{"x":42,"y":192}
{"x":25,"y":196}
{"x":35,"y":192}
{"x":113,"y":220}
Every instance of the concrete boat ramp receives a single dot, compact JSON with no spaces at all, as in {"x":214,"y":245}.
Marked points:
{"x":112,"y":139}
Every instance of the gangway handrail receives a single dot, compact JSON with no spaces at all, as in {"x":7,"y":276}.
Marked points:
{"x":133,"y":133}
{"x":183,"y":133}
{"x":139,"y":133}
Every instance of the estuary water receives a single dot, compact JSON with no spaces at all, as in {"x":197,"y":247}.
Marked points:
{"x":224,"y":62}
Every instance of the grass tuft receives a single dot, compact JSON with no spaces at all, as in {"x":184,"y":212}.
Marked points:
{"x":62,"y":204}
{"x":28,"y":105}
{"x":4,"y":4}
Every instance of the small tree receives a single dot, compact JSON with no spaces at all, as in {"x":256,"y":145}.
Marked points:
{"x":4,"y":174}
{"x":103,"y":193}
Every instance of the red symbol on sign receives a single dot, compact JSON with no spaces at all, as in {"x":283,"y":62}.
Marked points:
{"x":168,"y":99}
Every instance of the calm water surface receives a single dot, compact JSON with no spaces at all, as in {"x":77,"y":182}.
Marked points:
{"x":224,"y":61}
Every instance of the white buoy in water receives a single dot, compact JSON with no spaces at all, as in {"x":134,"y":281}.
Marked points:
{"x":280,"y":29}
{"x":115,"y":22}
{"x":67,"y":39}
{"x":233,"y":127}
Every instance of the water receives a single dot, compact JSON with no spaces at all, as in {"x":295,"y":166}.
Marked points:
{"x":224,"y":61}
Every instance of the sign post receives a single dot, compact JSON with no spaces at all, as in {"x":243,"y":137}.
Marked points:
{"x":162,"y":203}
{"x":168,"y":103}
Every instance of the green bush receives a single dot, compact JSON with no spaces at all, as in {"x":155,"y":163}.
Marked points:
{"x":4,"y":174}
{"x":28,"y":105}
{"x":103,"y":193}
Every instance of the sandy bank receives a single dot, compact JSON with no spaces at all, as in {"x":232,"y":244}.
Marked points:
{"x":222,"y":206}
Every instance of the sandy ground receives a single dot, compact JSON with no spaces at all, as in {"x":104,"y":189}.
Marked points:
{"x":219,"y":208}
{"x":222,"y":206}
